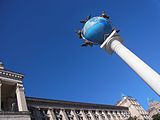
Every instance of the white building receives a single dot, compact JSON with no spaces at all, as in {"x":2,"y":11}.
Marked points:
{"x":154,"y":108}
{"x":135,"y":108}
{"x":14,"y":105}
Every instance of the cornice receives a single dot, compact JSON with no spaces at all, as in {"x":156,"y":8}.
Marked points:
{"x":32,"y":101}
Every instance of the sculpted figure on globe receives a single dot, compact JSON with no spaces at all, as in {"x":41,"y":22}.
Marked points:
{"x":95,"y":30}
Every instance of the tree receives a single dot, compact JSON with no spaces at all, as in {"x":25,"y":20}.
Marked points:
{"x":156,"y":117}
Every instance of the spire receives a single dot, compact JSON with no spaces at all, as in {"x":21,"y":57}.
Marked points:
{"x":1,"y":65}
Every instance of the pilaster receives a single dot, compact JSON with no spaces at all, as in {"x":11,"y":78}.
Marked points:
{"x":106,"y":117}
{"x":100,"y":117}
{"x":109,"y":113}
{"x":75,"y":115}
{"x":114,"y":113}
{"x":92,"y":115}
{"x":64,"y":114}
{"x":51,"y":114}
{"x":84,"y":115}
{"x":120,"y":115}
{"x":21,"y":100}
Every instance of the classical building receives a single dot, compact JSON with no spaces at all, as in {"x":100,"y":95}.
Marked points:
{"x":154,"y":108}
{"x":12,"y":97}
{"x":14,"y":105}
{"x":134,"y":107}
{"x":45,"y":109}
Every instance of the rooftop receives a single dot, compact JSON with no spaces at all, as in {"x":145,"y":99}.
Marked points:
{"x":33,"y":101}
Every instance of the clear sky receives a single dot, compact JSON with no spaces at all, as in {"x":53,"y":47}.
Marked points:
{"x":37,"y":38}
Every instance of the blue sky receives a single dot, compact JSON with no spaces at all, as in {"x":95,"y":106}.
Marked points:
{"x":37,"y":39}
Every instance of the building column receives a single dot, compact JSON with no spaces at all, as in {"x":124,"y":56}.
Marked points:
{"x":92,"y":115}
{"x":122,"y":114}
{"x":100,"y":117}
{"x":75,"y":115}
{"x":104,"y":113}
{"x":114,"y":113}
{"x":21,"y":100}
{"x":51,"y":114}
{"x":83,"y":115}
{"x":64,"y":114}
{"x":119,"y":115}
{"x":0,"y":95}
{"x":109,"y":113}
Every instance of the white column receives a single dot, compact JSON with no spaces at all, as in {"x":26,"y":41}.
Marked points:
{"x":0,"y":95}
{"x":123,"y":115}
{"x":21,"y":100}
{"x":83,"y":115}
{"x":64,"y":114}
{"x":114,"y":113}
{"x":100,"y":117}
{"x":113,"y":43}
{"x":109,"y":113}
{"x":106,"y":117}
{"x":119,"y":115}
{"x":75,"y":115}
{"x":51,"y":114}
{"x":92,"y":115}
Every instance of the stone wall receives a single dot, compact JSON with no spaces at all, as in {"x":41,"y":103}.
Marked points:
{"x":14,"y":116}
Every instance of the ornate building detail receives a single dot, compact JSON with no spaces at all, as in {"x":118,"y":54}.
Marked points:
{"x":14,"y":105}
{"x":77,"y":110}
{"x":79,"y":114}
{"x":58,"y":114}
{"x":69,"y":114}
{"x":154,"y":108}
{"x":12,"y":97}
{"x":134,"y":107}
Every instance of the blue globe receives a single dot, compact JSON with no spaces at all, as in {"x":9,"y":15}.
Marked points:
{"x":96,"y":29}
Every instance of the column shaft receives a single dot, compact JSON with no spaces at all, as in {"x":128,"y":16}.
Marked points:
{"x":75,"y":115}
{"x":64,"y":115}
{"x":51,"y":114}
{"x":84,"y":115}
{"x":143,"y":70}
{"x":92,"y":116}
{"x":100,"y":117}
{"x":106,"y":117}
{"x":115,"y":115}
{"x":21,"y":100}
{"x":120,"y":115}
{"x":109,"y":113}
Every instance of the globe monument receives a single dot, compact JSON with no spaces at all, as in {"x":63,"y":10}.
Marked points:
{"x":98,"y":30}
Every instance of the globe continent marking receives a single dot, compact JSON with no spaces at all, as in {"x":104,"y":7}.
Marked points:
{"x":96,"y":29}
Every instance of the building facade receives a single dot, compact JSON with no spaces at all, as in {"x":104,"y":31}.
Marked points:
{"x":45,"y":109}
{"x":154,"y":108}
{"x":135,"y":108}
{"x":14,"y":105}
